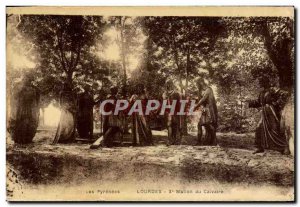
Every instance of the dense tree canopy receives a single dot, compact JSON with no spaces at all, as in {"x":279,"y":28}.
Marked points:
{"x":65,"y":49}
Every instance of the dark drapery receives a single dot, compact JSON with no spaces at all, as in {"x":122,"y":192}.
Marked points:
{"x":268,"y":134}
{"x":25,"y":113}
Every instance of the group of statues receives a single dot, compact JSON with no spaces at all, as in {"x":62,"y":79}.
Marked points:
{"x":77,"y":113}
{"x":140,"y":126}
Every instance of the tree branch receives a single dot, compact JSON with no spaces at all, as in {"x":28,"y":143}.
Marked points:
{"x":77,"y":57}
{"x":20,"y":20}
{"x":61,"y":53}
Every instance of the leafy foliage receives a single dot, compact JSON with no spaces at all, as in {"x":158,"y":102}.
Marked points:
{"x":64,"y":48}
{"x":230,"y":53}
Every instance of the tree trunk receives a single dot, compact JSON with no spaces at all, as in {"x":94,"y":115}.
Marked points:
{"x":179,"y":71}
{"x":183,"y":119}
{"x":43,"y":116}
{"x":285,"y":74}
{"x":281,"y":56}
{"x":187,"y":69}
{"x":123,"y":55}
{"x":124,"y":66}
{"x":70,"y":78}
{"x":184,"y":122}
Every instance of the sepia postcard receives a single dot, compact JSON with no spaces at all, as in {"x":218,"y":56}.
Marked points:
{"x":150,"y":104}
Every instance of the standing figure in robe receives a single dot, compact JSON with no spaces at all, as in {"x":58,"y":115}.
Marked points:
{"x":209,"y":116}
{"x":25,"y":111}
{"x":141,"y":132}
{"x":65,"y":132}
{"x":174,"y":121}
{"x":112,"y":124}
{"x":85,"y":114}
{"x":268,"y":134}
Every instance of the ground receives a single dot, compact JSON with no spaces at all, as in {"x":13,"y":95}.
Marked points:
{"x":231,"y":164}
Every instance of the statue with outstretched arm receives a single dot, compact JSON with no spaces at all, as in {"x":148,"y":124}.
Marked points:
{"x":267,"y":134}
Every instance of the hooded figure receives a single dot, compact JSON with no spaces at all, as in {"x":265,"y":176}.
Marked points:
{"x":66,"y":128}
{"x":24,"y":111}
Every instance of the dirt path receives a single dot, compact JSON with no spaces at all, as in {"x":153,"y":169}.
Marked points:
{"x":44,"y":164}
